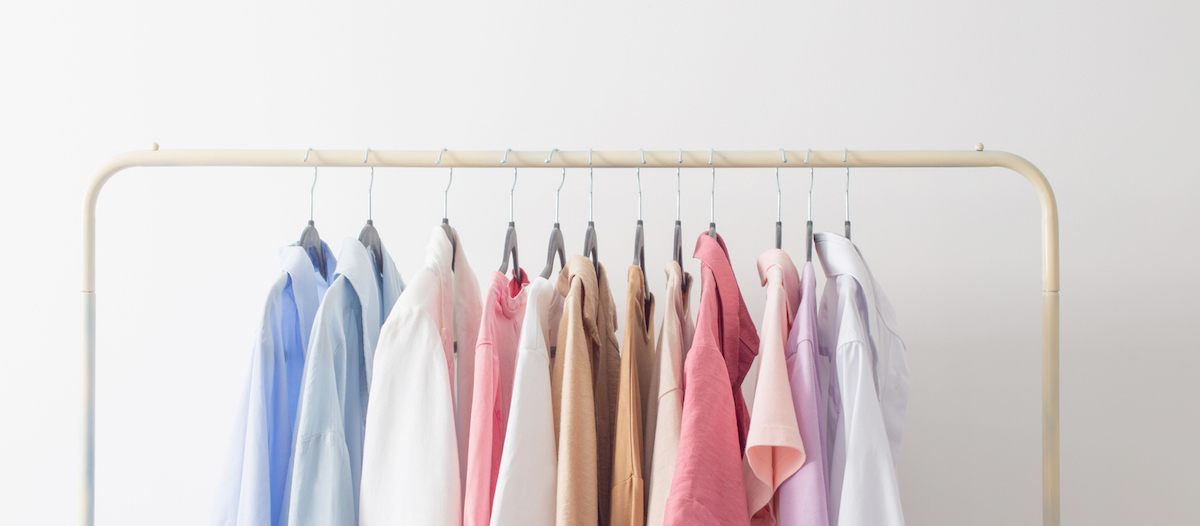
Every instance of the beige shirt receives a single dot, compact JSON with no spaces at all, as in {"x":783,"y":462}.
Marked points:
{"x":664,"y":410}
{"x":584,"y":392}
{"x":628,"y":491}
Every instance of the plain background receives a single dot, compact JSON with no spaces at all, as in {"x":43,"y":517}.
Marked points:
{"x":1101,"y":96}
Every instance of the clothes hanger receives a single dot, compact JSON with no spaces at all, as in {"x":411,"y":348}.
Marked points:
{"x":310,"y":240}
{"x":779,"y":205}
{"x":677,"y":252}
{"x":557,"y":246}
{"x":844,"y":154}
{"x":446,"y":213}
{"x":712,"y":199}
{"x":589,"y":237}
{"x":809,"y":239}
{"x":639,"y":239}
{"x":369,"y":237}
{"x":510,"y":238}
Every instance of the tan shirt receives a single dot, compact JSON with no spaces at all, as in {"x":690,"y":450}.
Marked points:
{"x":664,"y":412}
{"x":628,"y":491}
{"x":584,"y":392}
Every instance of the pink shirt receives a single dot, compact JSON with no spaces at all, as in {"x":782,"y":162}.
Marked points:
{"x":804,"y":498}
{"x":774,"y":449}
{"x":708,"y":487}
{"x":495,"y":366}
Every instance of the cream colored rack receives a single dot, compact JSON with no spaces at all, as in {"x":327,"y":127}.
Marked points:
{"x":598,"y":159}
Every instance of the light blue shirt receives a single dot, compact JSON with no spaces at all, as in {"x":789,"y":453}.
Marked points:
{"x":252,"y":489}
{"x":327,"y":459}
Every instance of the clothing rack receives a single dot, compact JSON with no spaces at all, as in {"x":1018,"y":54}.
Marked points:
{"x":597,"y":159}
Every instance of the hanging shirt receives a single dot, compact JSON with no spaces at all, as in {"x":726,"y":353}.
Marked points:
{"x":774,"y":450}
{"x":664,"y":413}
{"x":628,"y":489}
{"x":495,"y":365}
{"x":583,"y":391}
{"x":525,"y":487}
{"x":858,"y":327}
{"x":708,"y":487}
{"x":328,"y":452}
{"x":804,"y":498}
{"x":410,"y":458}
{"x":251,"y":492}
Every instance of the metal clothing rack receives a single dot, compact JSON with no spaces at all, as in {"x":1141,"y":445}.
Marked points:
{"x":597,"y":159}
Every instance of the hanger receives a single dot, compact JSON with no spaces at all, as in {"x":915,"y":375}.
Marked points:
{"x":809,"y":240}
{"x":779,"y":205}
{"x":639,"y":239}
{"x":712,"y":199}
{"x":589,"y":237}
{"x":369,"y":237}
{"x":677,"y":252}
{"x":510,"y":238}
{"x":844,"y":154}
{"x":557,"y":246}
{"x":310,"y":240}
{"x":446,"y":213}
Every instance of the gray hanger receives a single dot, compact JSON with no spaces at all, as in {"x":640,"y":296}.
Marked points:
{"x":639,"y":240}
{"x":369,"y":237}
{"x":844,"y":154}
{"x":677,"y":252}
{"x":446,"y":213}
{"x":712,"y":199}
{"x":589,"y":237}
{"x":310,"y":240}
{"x":809,"y":239}
{"x":557,"y":246}
{"x":510,"y":238}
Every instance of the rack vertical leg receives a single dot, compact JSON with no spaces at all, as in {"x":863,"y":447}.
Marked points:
{"x":87,"y":488}
{"x":1050,"y":494}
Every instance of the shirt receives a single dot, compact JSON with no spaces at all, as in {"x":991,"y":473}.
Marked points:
{"x":583,"y":389}
{"x":708,"y":487}
{"x":804,"y":498}
{"x":410,"y":457}
{"x":664,"y":413}
{"x":525,"y":487}
{"x":328,"y":446}
{"x":495,"y":364}
{"x":774,"y":450}
{"x":858,"y":328}
{"x":628,"y":491}
{"x":251,"y":491}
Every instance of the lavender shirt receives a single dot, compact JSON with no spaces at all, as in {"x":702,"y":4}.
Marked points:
{"x":804,"y":497}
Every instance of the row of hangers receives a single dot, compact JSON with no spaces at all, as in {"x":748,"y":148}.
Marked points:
{"x":310,"y":240}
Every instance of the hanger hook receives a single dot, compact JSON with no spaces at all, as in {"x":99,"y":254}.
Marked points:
{"x":811,"y":176}
{"x":639,"y":182}
{"x":367,"y":156}
{"x":784,"y":153}
{"x":712,"y":194}
{"x":846,"y":153}
{"x":678,"y":187}
{"x":551,"y":156}
{"x":510,"y":195}
{"x":311,"y":190}
{"x":643,"y":155}
{"x":558,"y":194}
{"x":306,"y":152}
{"x":710,"y":156}
{"x":446,"y":195}
{"x":806,"y":154}
{"x":778,"y":198}
{"x":439,"y":159}
{"x":505,"y":159}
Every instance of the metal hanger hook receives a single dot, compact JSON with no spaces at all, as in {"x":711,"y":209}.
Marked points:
{"x":558,"y":194}
{"x":439,"y":159}
{"x":311,"y":190}
{"x":639,"y":181}
{"x":511,"y":191}
{"x":505,"y":159}
{"x":678,"y":187}
{"x":306,"y":152}
{"x":367,"y":156}
{"x":811,"y":177}
{"x":551,"y":156}
{"x":806,"y":154}
{"x":370,"y":194}
{"x":446,"y":195}
{"x":845,"y":153}
{"x":778,"y":198}
{"x":643,"y":155}
{"x":784,"y":154}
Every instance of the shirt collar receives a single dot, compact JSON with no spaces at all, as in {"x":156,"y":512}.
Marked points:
{"x":304,"y":278}
{"x":776,"y":258}
{"x":738,"y":335}
{"x":582,"y":268}
{"x":356,"y":265}
{"x":840,"y":256}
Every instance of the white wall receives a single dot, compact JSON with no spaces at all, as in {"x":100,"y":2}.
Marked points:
{"x":1101,"y":96}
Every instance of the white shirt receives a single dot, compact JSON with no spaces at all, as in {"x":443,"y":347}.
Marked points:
{"x":410,"y":455}
{"x":327,"y":456}
{"x":252,"y":490}
{"x":525,"y":487}
{"x":857,"y":328}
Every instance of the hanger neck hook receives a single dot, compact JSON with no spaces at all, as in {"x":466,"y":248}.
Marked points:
{"x":778,"y":198}
{"x":446,"y":196}
{"x":312,"y":189}
{"x":712,"y":194}
{"x":845,"y":154}
{"x":511,"y":191}
{"x":591,"y":188}
{"x":370,"y":187}
{"x":558,"y":194}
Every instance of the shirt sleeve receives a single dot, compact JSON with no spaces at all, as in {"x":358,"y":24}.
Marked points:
{"x":870,"y":495}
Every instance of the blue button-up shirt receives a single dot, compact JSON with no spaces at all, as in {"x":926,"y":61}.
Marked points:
{"x":327,"y":457}
{"x":252,"y":489}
